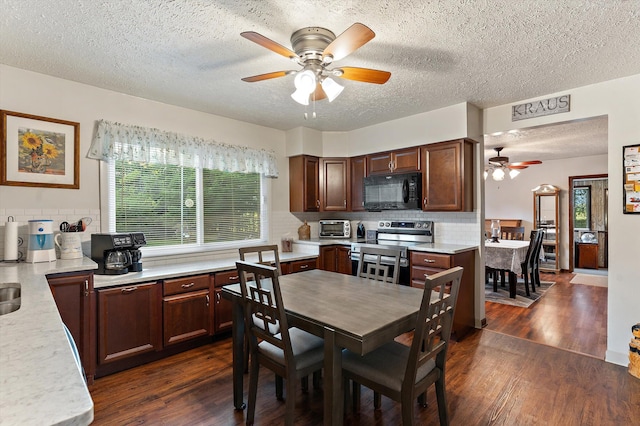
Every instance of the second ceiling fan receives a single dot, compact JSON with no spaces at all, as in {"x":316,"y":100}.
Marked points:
{"x":315,"y":48}
{"x":499,"y":166}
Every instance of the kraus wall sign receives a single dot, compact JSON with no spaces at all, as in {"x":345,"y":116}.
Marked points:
{"x":542,"y":107}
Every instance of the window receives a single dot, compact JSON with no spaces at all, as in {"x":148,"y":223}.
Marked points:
{"x":180,"y":208}
{"x":582,"y":207}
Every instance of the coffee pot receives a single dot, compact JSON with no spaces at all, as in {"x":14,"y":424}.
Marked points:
{"x":118,"y":261}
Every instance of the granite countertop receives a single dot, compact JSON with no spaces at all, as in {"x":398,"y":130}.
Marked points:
{"x":40,"y":382}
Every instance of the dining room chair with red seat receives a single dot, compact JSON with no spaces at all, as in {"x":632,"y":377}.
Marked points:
{"x":405,"y":373}
{"x":380,"y":264}
{"x":291,"y":353}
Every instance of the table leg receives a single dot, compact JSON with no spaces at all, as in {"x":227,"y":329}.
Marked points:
{"x":513,"y":280}
{"x":237,"y":336}
{"x":333,"y":399}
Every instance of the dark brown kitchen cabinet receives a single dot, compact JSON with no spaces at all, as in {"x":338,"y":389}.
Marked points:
{"x":187,"y":309}
{"x":334,"y":185}
{"x":426,"y":263}
{"x":304,"y":184}
{"x":129,"y":321}
{"x":357,"y":173}
{"x":335,"y":258}
{"x":223,"y":307}
{"x":447,"y":176}
{"x":400,"y":161}
{"x":75,"y":299}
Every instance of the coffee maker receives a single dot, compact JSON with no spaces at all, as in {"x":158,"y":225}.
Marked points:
{"x":113,"y":252}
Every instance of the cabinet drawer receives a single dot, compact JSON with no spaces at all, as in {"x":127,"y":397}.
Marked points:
{"x":227,"y":277}
{"x":302,"y":265}
{"x":432,"y":260}
{"x":182,"y":285}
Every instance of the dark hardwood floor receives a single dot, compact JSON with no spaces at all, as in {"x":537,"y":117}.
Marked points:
{"x":492,"y":377}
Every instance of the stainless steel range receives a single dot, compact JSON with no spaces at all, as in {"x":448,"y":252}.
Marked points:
{"x":397,"y":234}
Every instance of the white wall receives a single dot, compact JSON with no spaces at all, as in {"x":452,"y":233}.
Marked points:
{"x":513,"y":199}
{"x":42,"y":95}
{"x":620,"y":101}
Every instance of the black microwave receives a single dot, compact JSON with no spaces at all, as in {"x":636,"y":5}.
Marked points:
{"x":393,"y":192}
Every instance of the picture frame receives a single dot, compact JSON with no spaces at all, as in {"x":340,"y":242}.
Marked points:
{"x":631,"y":179}
{"x":39,"y":151}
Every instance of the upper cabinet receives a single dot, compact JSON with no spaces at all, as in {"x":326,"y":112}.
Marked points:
{"x":447,"y":176}
{"x":545,"y":216}
{"x":304,"y":183}
{"x":334,"y":185}
{"x":400,"y":161}
{"x":357,"y":173}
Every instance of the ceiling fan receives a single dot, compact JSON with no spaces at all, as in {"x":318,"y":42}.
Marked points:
{"x":499,"y":165}
{"x":314,"y":49}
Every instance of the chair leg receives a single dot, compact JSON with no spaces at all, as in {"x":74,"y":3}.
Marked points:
{"x":290,"y":402}
{"x":422,"y":400}
{"x":377,"y":400}
{"x":279,"y":387}
{"x":525,"y":275}
{"x":355,"y":396}
{"x":441,"y":396}
{"x":407,"y":411}
{"x":317,"y":375}
{"x":304,"y":384}
{"x":253,"y":389}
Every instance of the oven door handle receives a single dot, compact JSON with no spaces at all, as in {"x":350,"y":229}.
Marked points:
{"x":405,"y":190}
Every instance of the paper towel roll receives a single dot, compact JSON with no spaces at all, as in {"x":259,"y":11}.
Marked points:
{"x":11,"y":241}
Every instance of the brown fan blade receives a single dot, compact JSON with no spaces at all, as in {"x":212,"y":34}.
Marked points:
{"x":511,"y":166}
{"x":267,"y":76}
{"x":350,"y":40}
{"x":269,"y":44}
{"x":319,"y":94}
{"x":366,"y":75}
{"x":526,"y":163}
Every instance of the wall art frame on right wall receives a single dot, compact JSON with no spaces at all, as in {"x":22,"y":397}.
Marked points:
{"x":631,"y":179}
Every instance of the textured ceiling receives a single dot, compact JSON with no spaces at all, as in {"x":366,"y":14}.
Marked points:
{"x":190,"y":52}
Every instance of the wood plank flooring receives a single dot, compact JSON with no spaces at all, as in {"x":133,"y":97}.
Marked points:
{"x":492,"y":378}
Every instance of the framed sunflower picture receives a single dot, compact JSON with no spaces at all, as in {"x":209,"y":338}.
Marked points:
{"x":39,"y":151}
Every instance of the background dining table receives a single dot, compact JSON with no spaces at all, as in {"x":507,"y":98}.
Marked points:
{"x":347,"y":311}
{"x":507,"y":255}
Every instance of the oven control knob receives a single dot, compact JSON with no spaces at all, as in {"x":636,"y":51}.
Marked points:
{"x":380,"y":224}
{"x":418,"y":225}
{"x":387,"y":224}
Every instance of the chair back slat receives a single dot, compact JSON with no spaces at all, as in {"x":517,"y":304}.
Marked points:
{"x":435,"y":321}
{"x":265,"y":317}
{"x":373,"y":267}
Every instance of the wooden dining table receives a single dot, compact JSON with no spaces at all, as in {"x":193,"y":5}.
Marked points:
{"x":507,"y":255}
{"x":348,"y":312}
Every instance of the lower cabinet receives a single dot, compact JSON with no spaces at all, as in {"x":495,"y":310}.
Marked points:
{"x":223,"y":307}
{"x":75,"y":299}
{"x":129,"y":321}
{"x":336,"y":258}
{"x":300,"y":265}
{"x":425,"y":263}
{"x":187,"y":309}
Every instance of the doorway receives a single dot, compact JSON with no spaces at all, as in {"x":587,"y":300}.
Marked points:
{"x":588,"y":224}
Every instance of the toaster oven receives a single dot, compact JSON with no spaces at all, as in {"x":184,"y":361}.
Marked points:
{"x":334,"y":229}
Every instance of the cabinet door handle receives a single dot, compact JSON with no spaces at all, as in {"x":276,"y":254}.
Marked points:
{"x":187,"y":285}
{"x":236,"y":277}
{"x":128,"y":290}
{"x":207,"y":300}
{"x":318,"y":203}
{"x":426,"y":275}
{"x":217,"y":297}
{"x":345,"y":203}
{"x":390,"y":165}
{"x":86,"y":288}
{"x":429,"y":261}
{"x":304,"y":266}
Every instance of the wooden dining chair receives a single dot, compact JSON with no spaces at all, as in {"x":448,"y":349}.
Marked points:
{"x":372,"y":268}
{"x":405,"y":373}
{"x":528,"y":263}
{"x":258,"y":254}
{"x":535,"y":261}
{"x":289,"y":352}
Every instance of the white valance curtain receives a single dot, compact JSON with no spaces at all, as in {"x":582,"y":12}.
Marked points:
{"x":115,"y":141}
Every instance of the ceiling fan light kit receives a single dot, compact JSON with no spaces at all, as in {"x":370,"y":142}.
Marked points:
{"x":314,"y":48}
{"x":499,"y":166}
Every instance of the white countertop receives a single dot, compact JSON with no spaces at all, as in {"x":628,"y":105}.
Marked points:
{"x":40,"y":382}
